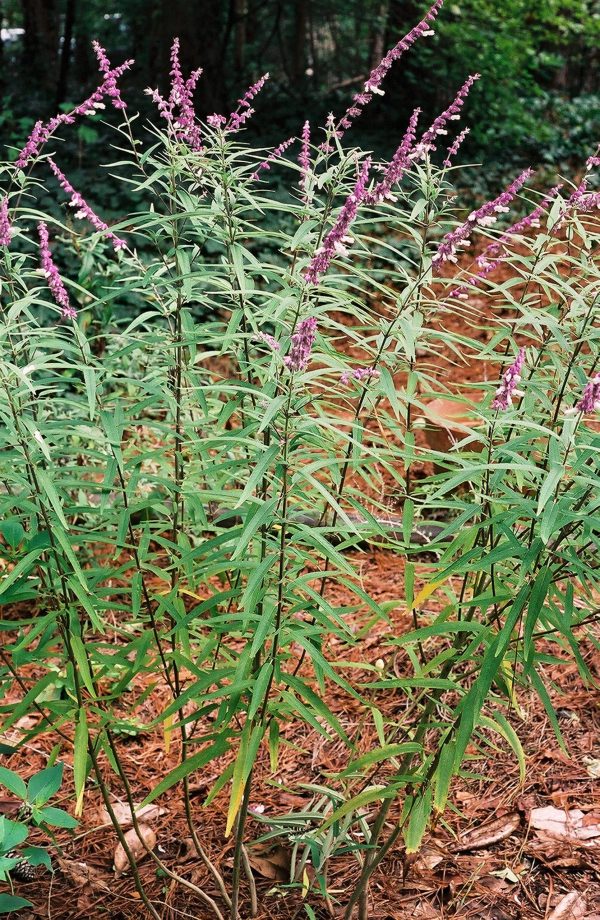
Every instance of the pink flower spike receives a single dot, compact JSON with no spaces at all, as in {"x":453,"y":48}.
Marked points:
{"x":109,"y":87}
{"x":455,"y":147}
{"x":493,"y":255}
{"x":427,"y":142}
{"x":590,"y":400}
{"x":269,"y":340}
{"x":304,"y":156}
{"x":510,"y":379}
{"x":42,"y":132}
{"x":401,"y":161}
{"x":266,"y":164}
{"x":244,"y":111}
{"x":377,"y":75}
{"x":338,"y":235}
{"x":83,"y":208}
{"x":5,"y":224}
{"x":51,"y":272}
{"x":482,"y":217}
{"x":302,"y":343}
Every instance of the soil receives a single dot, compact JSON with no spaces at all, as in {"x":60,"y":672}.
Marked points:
{"x":483,"y":860}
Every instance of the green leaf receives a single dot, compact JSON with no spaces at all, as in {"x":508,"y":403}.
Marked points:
{"x":371,"y":794}
{"x":419,"y":811}
{"x":56,"y":817}
{"x":189,"y":765}
{"x":10,"y":902}
{"x":12,"y":531}
{"x":384,"y":753}
{"x":43,"y":785}
{"x":13,"y":782}
{"x":80,"y":759}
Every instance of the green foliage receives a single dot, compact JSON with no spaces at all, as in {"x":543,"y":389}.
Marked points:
{"x":180,"y":500}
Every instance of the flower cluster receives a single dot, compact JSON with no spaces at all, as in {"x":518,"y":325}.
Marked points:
{"x":110,"y":87}
{"x":510,"y":379}
{"x":484,"y":216}
{"x":302,"y":342}
{"x":84,"y":211}
{"x":178,"y":111}
{"x":244,"y":110}
{"x":51,"y":272}
{"x":455,"y":147}
{"x":338,"y":235}
{"x":360,"y":373}
{"x":399,"y":163}
{"x":590,"y":400}
{"x":493,"y":255}
{"x":266,"y":164}
{"x":5,"y":225}
{"x":269,"y":340}
{"x":581,"y":199}
{"x":107,"y":89}
{"x":373,"y":85}
{"x":452,"y":113}
{"x":304,"y":156}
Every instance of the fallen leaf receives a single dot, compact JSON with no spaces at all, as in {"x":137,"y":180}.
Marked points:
{"x":429,"y":857}
{"x":123,"y":813}
{"x":506,"y":874}
{"x":592,"y":765}
{"x":136,"y":846}
{"x":573,"y":905}
{"x":490,"y":833}
{"x":274,"y":865}
{"x":571,"y":825}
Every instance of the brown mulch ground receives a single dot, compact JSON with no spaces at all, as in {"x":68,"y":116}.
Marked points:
{"x":483,"y":861}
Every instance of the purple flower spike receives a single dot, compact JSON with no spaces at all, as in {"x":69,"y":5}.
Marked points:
{"x":110,"y":88}
{"x":83,"y":208}
{"x":493,"y":255}
{"x":452,"y":113}
{"x":269,"y":340}
{"x":401,"y":161}
{"x":266,"y":164}
{"x":483,"y":217}
{"x":5,"y":224}
{"x":42,"y":132}
{"x":304,"y":156}
{"x":244,"y":110}
{"x":590,"y":400}
{"x":302,"y":342}
{"x":181,"y":97}
{"x":360,"y":373}
{"x":338,"y":235}
{"x":455,"y":147}
{"x":51,"y":272}
{"x":373,"y":85}
{"x":508,"y":387}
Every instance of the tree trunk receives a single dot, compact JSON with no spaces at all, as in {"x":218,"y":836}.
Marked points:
{"x":240,"y":13}
{"x":40,"y":44}
{"x":298,"y":57}
{"x":380,"y":22}
{"x":65,"y":55}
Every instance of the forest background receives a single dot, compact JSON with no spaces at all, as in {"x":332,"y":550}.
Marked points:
{"x":538,"y":102}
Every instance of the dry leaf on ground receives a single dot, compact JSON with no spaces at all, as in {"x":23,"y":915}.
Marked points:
{"x":490,"y":833}
{"x":122,"y":813}
{"x":573,"y":825}
{"x":136,"y":846}
{"x":572,"y":906}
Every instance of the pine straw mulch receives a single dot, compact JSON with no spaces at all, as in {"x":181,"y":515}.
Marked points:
{"x":482,"y":861}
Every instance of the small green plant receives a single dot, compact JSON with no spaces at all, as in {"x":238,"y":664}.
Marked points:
{"x":18,"y":861}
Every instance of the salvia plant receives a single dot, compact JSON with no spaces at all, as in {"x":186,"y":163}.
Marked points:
{"x":187,"y":482}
